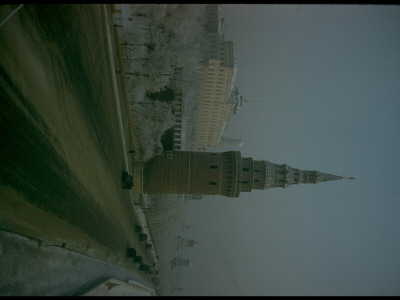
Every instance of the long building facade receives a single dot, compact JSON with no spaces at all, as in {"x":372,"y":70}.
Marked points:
{"x":225,"y":173}
{"x":213,"y":102}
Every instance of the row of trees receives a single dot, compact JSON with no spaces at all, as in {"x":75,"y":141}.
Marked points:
{"x":158,"y":42}
{"x":161,"y":38}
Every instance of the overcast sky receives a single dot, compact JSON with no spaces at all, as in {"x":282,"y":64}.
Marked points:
{"x":325,"y":81}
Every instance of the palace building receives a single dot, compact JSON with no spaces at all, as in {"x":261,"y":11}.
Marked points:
{"x":215,"y":102}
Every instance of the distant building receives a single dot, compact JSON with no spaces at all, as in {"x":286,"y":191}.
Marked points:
{"x":186,"y":243}
{"x":179,"y":262}
{"x":214,"y":21}
{"x":237,"y":100}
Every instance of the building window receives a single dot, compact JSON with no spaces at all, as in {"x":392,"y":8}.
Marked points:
{"x":256,"y":180}
{"x":257,"y":171}
{"x":245,"y":182}
{"x":213,"y":167}
{"x":212,"y":183}
{"x":245,"y":169}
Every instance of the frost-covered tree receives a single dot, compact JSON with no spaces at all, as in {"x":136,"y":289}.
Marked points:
{"x":153,"y":118}
{"x":156,"y":41}
{"x":174,"y":38}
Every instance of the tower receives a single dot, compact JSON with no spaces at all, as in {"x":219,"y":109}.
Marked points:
{"x":220,"y":173}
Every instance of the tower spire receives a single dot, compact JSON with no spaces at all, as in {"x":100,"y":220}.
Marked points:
{"x":284,"y":176}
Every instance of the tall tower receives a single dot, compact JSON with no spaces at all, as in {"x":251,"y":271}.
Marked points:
{"x":220,"y":173}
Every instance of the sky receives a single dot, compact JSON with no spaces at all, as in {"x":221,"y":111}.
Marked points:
{"x":323,"y":84}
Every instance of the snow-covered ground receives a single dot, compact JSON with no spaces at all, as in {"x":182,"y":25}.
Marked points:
{"x":31,"y":268}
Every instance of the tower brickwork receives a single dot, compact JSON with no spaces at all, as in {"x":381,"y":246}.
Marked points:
{"x":220,"y":173}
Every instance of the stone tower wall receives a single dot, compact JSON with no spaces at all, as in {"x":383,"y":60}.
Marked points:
{"x":185,"y":172}
{"x":247,"y":177}
{"x":259,"y":171}
{"x":205,"y":173}
{"x":167,"y":173}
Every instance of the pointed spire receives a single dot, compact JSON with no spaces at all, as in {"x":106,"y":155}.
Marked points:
{"x":284,"y":176}
{"x":322,"y":177}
